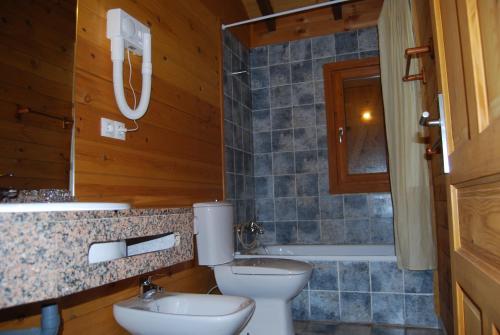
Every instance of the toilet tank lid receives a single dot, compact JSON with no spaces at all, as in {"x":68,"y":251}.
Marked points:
{"x":269,"y":266}
{"x":212,"y":204}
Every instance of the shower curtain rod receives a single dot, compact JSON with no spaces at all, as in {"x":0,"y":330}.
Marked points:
{"x":286,"y":12}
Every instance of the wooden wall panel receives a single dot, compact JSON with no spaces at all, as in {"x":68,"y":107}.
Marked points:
{"x":36,"y":63}
{"x":175,"y":158}
{"x":230,"y":12}
{"x":357,"y":14}
{"x":91,"y":312}
{"x":440,"y":181}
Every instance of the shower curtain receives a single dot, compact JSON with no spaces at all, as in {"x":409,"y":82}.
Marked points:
{"x":409,"y":174}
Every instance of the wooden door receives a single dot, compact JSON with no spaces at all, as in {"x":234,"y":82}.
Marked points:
{"x":467,"y":41}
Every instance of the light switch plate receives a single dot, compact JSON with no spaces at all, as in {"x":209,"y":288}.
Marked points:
{"x":112,"y":129}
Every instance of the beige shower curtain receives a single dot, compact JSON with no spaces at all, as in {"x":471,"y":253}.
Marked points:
{"x":415,"y":246}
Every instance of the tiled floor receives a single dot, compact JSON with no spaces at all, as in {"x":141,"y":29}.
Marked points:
{"x":324,"y":328}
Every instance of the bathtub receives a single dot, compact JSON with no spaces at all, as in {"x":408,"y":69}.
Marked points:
{"x":321,"y":252}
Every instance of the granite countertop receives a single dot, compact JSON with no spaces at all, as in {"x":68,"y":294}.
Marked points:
{"x":44,"y":255}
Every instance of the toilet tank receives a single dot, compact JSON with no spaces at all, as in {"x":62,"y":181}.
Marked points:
{"x":213,"y":227}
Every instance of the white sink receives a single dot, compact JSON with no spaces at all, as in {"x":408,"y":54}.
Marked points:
{"x":184,"y":314}
{"x":62,"y":207}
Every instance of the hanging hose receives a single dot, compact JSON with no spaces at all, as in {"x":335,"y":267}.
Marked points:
{"x":213,"y":288}
{"x":239,"y":234}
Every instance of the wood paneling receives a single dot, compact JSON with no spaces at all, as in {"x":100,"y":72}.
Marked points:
{"x":175,"y":157}
{"x":230,"y":12}
{"x":443,"y":289}
{"x":356,"y":14}
{"x":36,"y":63}
{"x":91,"y":312}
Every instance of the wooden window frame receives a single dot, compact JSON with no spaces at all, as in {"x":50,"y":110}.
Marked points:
{"x":340,"y":180}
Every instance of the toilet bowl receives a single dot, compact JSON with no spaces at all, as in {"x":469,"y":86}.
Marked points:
{"x":271,"y":283}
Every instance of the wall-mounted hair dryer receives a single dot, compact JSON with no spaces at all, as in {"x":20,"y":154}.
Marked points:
{"x":126,"y":32}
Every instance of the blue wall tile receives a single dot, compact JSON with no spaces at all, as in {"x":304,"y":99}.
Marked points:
{"x":320,"y":114}
{"x":307,"y":184}
{"x":322,"y":137}
{"x":302,"y":94}
{"x":332,"y":231}
{"x":354,"y":276}
{"x":305,"y":138}
{"x":286,"y":209}
{"x":263,"y":187}
{"x":356,"y":206}
{"x":382,"y":231}
{"x":279,"y":53}
{"x":280,"y":96}
{"x":418,"y":281}
{"x":419,"y":310}
{"x":260,"y":77}
{"x":325,"y":305}
{"x":282,"y":140}
{"x":304,"y":116}
{"x":308,"y":208}
{"x":301,"y":71}
{"x":280,"y":75}
{"x":322,"y":160}
{"x":332,"y":207}
{"x":286,"y":232}
{"x":324,"y":276}
{"x":228,"y":159}
{"x":261,"y":120}
{"x":357,"y":231}
{"x":281,"y":118}
{"x":306,"y":161}
{"x":283,"y":163}
{"x":388,"y":308}
{"x":269,"y":236}
{"x":323,"y":183}
{"x":300,"y":50}
{"x":346,"y":42}
{"x":323,"y":46}
{"x":300,"y":306}
{"x":263,"y":164}
{"x":258,"y":57}
{"x":229,"y":184}
{"x":264,"y":209}
{"x":380,"y":205}
{"x":260,"y":98}
{"x":308,"y":231}
{"x":262,"y":142}
{"x":319,"y":91}
{"x":284,"y":186}
{"x":355,"y":307}
{"x":368,"y":39}
{"x":348,"y":56}
{"x":386,"y":277}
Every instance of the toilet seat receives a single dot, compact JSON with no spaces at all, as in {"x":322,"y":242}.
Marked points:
{"x":268,"y":266}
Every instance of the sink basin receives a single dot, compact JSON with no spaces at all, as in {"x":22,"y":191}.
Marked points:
{"x":62,"y":207}
{"x":184,"y":314}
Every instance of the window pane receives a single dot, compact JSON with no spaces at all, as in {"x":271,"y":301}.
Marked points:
{"x":365,"y":132}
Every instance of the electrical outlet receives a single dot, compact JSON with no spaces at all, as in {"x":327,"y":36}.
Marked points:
{"x":113,"y":129}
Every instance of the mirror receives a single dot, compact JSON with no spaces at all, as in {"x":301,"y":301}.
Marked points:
{"x":37,"y":41}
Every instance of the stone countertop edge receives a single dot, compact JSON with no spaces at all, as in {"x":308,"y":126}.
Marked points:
{"x":44,"y":255}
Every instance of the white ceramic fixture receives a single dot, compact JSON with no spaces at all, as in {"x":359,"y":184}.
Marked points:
{"x":184,"y":314}
{"x":272,"y":283}
{"x":62,"y":207}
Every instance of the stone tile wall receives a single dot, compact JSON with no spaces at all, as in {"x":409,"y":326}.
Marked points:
{"x":292,"y":200}
{"x":372,"y":291}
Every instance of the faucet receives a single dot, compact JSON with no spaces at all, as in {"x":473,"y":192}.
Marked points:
{"x":253,"y":227}
{"x":7,"y":193}
{"x":147,"y":289}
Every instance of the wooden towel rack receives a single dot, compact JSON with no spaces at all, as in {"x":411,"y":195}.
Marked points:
{"x":415,"y":52}
{"x":26,"y":110}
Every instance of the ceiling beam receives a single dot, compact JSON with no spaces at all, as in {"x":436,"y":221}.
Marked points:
{"x":266,"y":9}
{"x":337,"y":12}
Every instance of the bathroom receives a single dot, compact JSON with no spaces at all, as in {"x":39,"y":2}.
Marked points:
{"x":325,"y":146}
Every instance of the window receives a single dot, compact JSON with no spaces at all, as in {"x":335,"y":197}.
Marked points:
{"x":357,"y":149}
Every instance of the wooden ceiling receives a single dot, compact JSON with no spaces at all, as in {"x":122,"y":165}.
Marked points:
{"x":354,"y":14}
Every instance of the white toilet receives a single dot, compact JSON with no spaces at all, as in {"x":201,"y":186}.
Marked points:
{"x":272,"y":283}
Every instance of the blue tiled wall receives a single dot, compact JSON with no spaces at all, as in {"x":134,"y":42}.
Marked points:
{"x":290,"y":147}
{"x":375,"y":292}
{"x":238,"y":136}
